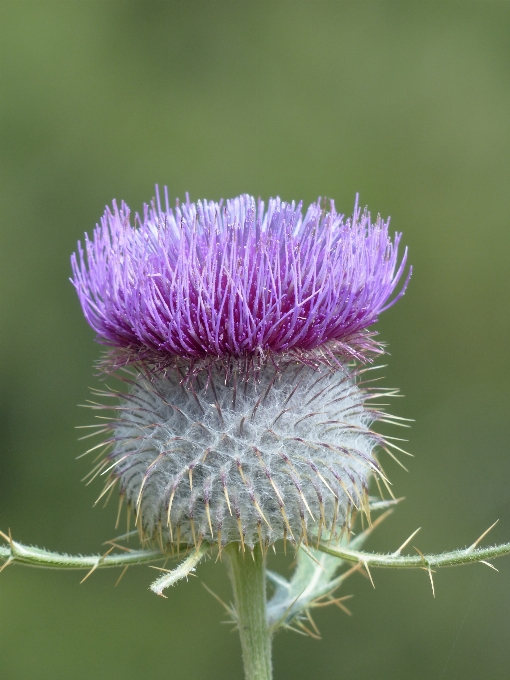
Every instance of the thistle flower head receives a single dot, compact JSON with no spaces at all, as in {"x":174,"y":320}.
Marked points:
{"x":201,"y":447}
{"x":218,"y":280}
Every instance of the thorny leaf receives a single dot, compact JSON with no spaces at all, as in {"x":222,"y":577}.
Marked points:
{"x":312,"y":582}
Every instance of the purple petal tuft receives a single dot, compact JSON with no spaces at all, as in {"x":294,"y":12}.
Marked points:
{"x":208,"y":279}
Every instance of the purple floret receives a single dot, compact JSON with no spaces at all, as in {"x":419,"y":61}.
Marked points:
{"x":207,"y":280}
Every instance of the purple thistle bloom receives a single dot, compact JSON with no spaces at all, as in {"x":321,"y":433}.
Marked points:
{"x":229,"y":287}
{"x":232,"y":279}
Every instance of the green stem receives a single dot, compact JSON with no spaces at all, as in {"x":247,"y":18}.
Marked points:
{"x":395,"y":560}
{"x":17,"y":553}
{"x":247,"y":573}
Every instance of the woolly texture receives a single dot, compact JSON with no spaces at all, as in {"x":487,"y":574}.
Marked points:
{"x":212,"y":280}
{"x":244,"y":460}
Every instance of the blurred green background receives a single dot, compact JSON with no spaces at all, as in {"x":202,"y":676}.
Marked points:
{"x":407,"y":103}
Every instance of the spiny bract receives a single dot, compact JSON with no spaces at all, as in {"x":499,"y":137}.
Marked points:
{"x":281,"y":456}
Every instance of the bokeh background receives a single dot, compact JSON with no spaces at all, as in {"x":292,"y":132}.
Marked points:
{"x":407,"y":103}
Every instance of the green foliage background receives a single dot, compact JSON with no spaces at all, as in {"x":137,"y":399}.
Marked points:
{"x":407,"y":103}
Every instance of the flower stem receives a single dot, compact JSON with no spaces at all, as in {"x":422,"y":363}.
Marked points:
{"x":447,"y":559}
{"x":17,"y":553}
{"x":247,"y":573}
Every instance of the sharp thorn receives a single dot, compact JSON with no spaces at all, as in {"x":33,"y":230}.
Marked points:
{"x":488,"y":564}
{"x":431,"y":582}
{"x":121,"y":575}
{"x":472,"y":547}
{"x":398,"y":551}
{"x":369,"y":574}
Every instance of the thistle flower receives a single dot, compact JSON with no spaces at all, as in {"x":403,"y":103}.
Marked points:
{"x":214,"y":280}
{"x":245,"y":419}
